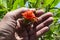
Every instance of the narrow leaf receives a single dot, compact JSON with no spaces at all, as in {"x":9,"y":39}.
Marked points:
{"x":32,"y":1}
{"x":21,"y":3}
{"x":47,"y":2}
{"x":55,"y":3}
{"x":15,"y":5}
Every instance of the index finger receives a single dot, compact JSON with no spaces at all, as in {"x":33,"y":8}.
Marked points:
{"x":17,"y":13}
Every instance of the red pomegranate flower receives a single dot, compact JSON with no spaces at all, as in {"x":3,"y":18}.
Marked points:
{"x":29,"y":15}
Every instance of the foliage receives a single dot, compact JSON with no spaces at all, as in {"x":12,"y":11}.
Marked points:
{"x":47,"y":5}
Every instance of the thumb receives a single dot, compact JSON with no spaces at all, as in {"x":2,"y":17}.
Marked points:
{"x":16,"y":13}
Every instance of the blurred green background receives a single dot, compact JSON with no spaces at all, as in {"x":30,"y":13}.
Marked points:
{"x":47,"y":5}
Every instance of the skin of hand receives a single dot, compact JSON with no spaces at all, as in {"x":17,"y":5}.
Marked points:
{"x":37,"y":29}
{"x":10,"y":22}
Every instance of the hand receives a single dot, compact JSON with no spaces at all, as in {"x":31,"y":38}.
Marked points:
{"x":38,"y":29}
{"x":9,"y":23}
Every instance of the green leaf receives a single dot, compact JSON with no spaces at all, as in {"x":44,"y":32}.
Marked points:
{"x":15,"y":4}
{"x":32,"y":1}
{"x":47,"y":2}
{"x":10,"y":3}
{"x":21,"y":3}
{"x":25,"y":1}
{"x":3,"y":3}
{"x":55,"y":3}
{"x":0,"y":1}
{"x":37,"y":4}
{"x":18,"y":3}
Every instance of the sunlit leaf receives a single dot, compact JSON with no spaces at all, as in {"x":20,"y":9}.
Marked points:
{"x":47,"y":2}
{"x":15,"y":4}
{"x":21,"y":3}
{"x":10,"y":3}
{"x":3,"y":3}
{"x":18,"y":3}
{"x":0,"y":1}
{"x":32,"y":1}
{"x":37,"y":4}
{"x":55,"y":3}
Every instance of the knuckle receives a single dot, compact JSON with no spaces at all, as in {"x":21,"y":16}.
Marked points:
{"x":9,"y":14}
